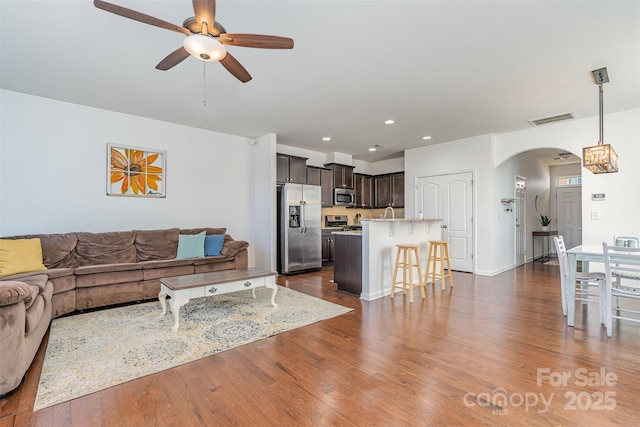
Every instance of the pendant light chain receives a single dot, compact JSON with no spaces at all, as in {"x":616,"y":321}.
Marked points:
{"x":204,"y":84}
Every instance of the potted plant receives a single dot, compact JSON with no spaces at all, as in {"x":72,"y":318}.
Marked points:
{"x":545,"y":221}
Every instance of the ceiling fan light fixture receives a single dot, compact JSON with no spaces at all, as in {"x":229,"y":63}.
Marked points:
{"x":204,"y":47}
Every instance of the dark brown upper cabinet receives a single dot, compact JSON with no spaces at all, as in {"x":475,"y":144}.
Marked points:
{"x":364,"y":185}
{"x":389,"y":190}
{"x":342,"y":175}
{"x":291,"y":169}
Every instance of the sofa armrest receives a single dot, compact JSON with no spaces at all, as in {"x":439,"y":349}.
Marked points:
{"x":12,"y":292}
{"x":231,"y":248}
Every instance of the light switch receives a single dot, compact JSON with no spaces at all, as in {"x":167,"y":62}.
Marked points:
{"x":594,"y":215}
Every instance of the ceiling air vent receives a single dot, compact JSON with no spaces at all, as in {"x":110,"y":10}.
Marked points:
{"x":551,"y":119}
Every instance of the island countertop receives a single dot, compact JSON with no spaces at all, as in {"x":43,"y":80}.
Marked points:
{"x":348,"y":232}
{"x":400,"y":219}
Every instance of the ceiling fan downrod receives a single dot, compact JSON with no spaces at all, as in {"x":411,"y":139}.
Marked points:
{"x":204,"y":84}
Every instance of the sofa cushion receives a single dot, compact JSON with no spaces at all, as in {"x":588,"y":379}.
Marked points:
{"x":106,"y":248}
{"x":38,"y":280}
{"x":211,"y":260}
{"x":12,"y":291}
{"x":163,"y":263}
{"x":20,"y":256}
{"x":190,"y":246}
{"x":34,"y":295}
{"x":213,"y":244}
{"x":107,"y":268}
{"x":156,"y":244}
{"x":98,"y":296}
{"x":111,"y":274}
{"x":59,"y":250}
{"x":230,"y":249}
{"x":169,"y":271}
{"x":34,"y":313}
{"x":205,"y":229}
{"x":52,"y":273}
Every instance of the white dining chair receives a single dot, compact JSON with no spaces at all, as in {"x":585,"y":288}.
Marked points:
{"x":622,"y":271}
{"x":626,"y":241}
{"x":591,"y":285}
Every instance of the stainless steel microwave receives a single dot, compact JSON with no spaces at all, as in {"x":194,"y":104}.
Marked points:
{"x":344,"y":197}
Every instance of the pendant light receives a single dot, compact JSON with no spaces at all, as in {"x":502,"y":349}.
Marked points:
{"x":600,"y":158}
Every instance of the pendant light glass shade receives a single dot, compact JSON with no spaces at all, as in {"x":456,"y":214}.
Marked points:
{"x":204,"y":47}
{"x":601,"y":158}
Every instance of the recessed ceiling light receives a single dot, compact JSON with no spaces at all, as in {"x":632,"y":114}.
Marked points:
{"x":389,"y":122}
{"x":426,"y":137}
{"x":372,"y":149}
{"x":326,"y":138}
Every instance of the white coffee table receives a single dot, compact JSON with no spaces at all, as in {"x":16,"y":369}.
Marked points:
{"x":182,"y":289}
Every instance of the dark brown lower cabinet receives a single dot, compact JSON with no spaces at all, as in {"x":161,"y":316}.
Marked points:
{"x":327,"y":247}
{"x":347,"y":263}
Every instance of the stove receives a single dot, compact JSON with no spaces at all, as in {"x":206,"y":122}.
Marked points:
{"x":340,"y":222}
{"x":336,"y":221}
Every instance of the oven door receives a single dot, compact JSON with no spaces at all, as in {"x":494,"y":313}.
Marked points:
{"x":344,"y":197}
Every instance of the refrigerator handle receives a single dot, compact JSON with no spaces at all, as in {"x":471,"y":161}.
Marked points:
{"x":303,"y":219}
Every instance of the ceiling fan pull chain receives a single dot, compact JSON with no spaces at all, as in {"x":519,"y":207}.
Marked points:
{"x":204,"y":84}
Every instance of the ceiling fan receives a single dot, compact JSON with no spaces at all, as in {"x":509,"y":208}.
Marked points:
{"x":205,"y":37}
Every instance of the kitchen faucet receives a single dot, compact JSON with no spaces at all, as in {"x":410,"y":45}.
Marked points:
{"x":393,"y":213}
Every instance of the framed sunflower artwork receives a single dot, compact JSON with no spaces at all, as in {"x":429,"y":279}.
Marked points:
{"x":135,"y":172}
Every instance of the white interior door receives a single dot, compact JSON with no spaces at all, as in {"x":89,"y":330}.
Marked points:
{"x":569,"y":214}
{"x":450,"y":197}
{"x":520,"y":221}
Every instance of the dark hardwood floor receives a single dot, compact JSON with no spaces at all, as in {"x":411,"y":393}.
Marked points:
{"x":490,"y":351}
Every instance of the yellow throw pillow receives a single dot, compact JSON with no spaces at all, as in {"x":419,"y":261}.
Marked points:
{"x":20,"y":256}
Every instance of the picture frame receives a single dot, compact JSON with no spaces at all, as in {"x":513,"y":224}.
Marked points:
{"x":135,"y":171}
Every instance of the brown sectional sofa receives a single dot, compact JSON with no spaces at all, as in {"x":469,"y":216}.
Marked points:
{"x":88,"y":270}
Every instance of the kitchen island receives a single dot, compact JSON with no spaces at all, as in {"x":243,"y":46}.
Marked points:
{"x":347,"y":264}
{"x":371,"y":277}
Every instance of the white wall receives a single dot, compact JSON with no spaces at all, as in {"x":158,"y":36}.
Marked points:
{"x":53,"y":173}
{"x":263,"y":201}
{"x":495,"y":161}
{"x":620,"y":213}
{"x":466,"y":155}
{"x":537,"y":184}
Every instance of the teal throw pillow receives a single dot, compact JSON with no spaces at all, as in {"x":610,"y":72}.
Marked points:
{"x":191,"y":245}
{"x":213,"y":244}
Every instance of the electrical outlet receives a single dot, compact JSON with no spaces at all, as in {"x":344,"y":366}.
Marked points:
{"x":594,"y":216}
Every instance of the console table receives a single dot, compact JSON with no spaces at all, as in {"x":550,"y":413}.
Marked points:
{"x":542,"y":235}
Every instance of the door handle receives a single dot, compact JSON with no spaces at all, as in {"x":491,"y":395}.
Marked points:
{"x":302,"y":217}
{"x":444,"y":226}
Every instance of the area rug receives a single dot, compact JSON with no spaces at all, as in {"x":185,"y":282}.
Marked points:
{"x":552,"y":262}
{"x":97,"y":350}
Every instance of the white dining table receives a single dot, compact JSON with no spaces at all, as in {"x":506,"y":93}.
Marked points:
{"x":586,"y":254}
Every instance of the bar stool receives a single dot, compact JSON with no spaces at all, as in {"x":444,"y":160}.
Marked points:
{"x":405,"y":260}
{"x":438,"y":252}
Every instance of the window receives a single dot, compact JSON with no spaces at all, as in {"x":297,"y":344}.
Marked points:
{"x":565,"y":181}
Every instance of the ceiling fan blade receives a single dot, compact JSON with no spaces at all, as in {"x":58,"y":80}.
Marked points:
{"x":205,"y":11}
{"x":234,"y":67}
{"x":138,"y":16}
{"x":173,"y":59}
{"x":256,"y":40}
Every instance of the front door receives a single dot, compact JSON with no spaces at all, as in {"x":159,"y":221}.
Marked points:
{"x":450,"y":197}
{"x":569,"y":214}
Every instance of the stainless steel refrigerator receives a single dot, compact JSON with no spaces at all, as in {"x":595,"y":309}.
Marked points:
{"x":299,"y":228}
